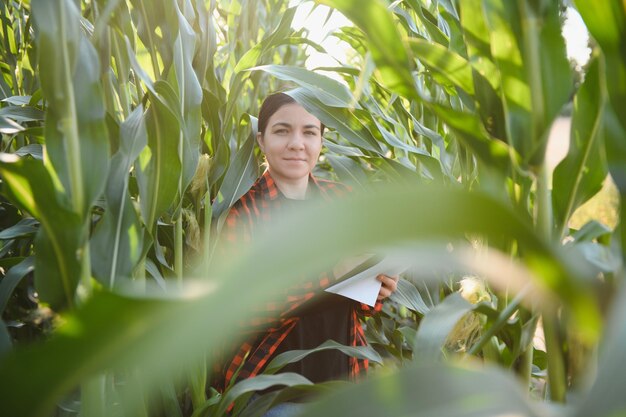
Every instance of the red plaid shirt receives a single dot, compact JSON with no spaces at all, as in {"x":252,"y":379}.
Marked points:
{"x":274,"y":322}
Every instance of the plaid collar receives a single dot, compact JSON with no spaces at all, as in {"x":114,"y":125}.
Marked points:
{"x":270,"y":191}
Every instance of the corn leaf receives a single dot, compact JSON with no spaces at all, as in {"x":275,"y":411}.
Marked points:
{"x":529,"y":50}
{"x":384,"y":41}
{"x":118,"y":234}
{"x":190,"y":93}
{"x":432,"y":390}
{"x":436,"y":325}
{"x":76,"y":136}
{"x":328,"y":91}
{"x":158,"y":167}
{"x":112,"y":331}
{"x":451,"y":66}
{"x":12,"y":279}
{"x":581,"y":174}
{"x":57,"y":264}
{"x":241,"y":174}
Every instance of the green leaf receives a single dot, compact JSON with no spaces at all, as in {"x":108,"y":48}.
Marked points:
{"x":431,"y":390}
{"x":529,"y":50}
{"x":9,"y":127}
{"x":600,"y":256}
{"x":593,"y":230}
{"x":24,"y":227}
{"x":22,"y":114}
{"x":252,"y":57}
{"x":348,"y":170}
{"x":581,"y":174}
{"x":5,"y":339}
{"x":12,"y":279}
{"x":35,"y":150}
{"x":614,"y":135}
{"x":119,"y":234}
{"x":408,"y":296}
{"x":76,"y":135}
{"x":341,"y":149}
{"x":190,"y":92}
{"x":113,"y":331}
{"x":57,"y":264}
{"x":259,"y":383}
{"x":241,"y":174}
{"x":486,"y":75}
{"x":328,"y":91}
{"x":436,"y":325}
{"x":451,"y":66}
{"x":429,"y":21}
{"x":607,"y":24}
{"x":605,"y":398}
{"x":158,"y":167}
{"x":361,"y":352}
{"x":384,"y":41}
{"x":470,"y":131}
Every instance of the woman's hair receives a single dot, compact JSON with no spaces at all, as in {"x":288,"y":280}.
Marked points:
{"x":271,"y":104}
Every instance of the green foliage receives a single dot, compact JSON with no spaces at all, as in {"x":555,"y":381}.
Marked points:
{"x":128,"y":131}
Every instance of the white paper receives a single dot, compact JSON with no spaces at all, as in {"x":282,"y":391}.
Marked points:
{"x":364,"y":287}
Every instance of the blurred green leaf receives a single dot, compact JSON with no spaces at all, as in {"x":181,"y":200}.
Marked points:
{"x":450,"y":65}
{"x":408,"y":296}
{"x":486,"y":76}
{"x":22,"y":114}
{"x":12,"y":279}
{"x":348,"y":170}
{"x":385,"y":43}
{"x":605,"y":397}
{"x":431,"y":390}
{"x":259,"y":383}
{"x":252,"y":57}
{"x":9,"y":127}
{"x":592,"y":230}
{"x":57,"y":264}
{"x":328,"y":91}
{"x":529,"y":50}
{"x":607,"y":23}
{"x":581,"y":174}
{"x":470,"y":131}
{"x":5,"y":339}
{"x":436,"y":325}
{"x":24,"y":227}
{"x":112,"y":331}
{"x":35,"y":150}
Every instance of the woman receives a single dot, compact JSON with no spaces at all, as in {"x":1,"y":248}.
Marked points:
{"x":304,"y":317}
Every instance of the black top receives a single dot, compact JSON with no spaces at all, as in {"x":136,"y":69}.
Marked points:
{"x":327,"y":318}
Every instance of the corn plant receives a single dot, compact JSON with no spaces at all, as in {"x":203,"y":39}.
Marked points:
{"x":127,"y":130}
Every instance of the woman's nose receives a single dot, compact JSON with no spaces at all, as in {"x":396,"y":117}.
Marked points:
{"x":296,"y":141}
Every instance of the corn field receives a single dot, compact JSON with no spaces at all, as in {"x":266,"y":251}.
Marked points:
{"x":128,"y":131}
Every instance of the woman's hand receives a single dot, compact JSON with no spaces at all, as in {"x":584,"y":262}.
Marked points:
{"x":390,"y":283}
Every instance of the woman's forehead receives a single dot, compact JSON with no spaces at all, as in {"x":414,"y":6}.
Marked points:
{"x":293,"y":114}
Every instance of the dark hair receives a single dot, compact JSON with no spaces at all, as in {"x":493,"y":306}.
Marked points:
{"x":271,"y":104}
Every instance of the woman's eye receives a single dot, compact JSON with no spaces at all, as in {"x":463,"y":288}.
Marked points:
{"x":310,"y":133}
{"x":280,"y":131}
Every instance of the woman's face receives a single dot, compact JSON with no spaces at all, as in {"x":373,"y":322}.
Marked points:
{"x":292,"y":142}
